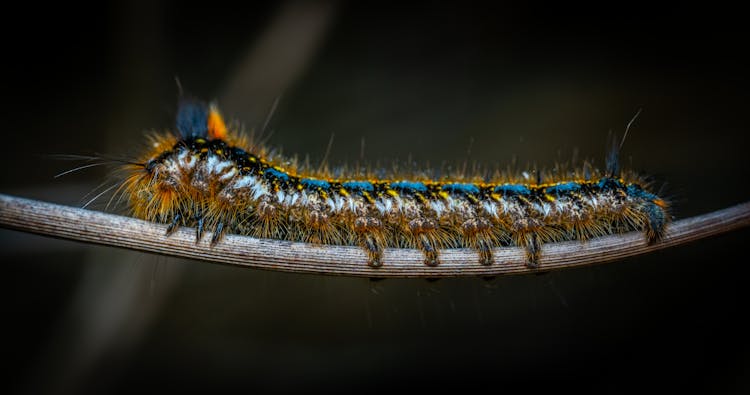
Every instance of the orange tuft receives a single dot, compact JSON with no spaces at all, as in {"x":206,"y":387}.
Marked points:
{"x":217,"y":129}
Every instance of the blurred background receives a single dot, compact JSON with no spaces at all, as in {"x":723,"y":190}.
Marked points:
{"x":427,"y":83}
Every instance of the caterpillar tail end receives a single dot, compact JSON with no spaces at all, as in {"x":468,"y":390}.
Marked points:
{"x":658,"y":218}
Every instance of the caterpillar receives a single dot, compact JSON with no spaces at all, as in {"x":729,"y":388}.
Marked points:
{"x":209,"y":177}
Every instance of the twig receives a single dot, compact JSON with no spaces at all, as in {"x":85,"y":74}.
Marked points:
{"x":113,"y":230}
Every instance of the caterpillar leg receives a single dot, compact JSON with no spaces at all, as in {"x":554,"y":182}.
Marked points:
{"x":424,"y":232}
{"x":430,"y":250}
{"x":374,"y":250}
{"x":370,"y":234}
{"x":477,"y":232}
{"x":211,"y":224}
{"x":533,"y":250}
{"x":218,"y":232}
{"x":199,"y":229}
{"x":174,"y":224}
{"x":526,"y":235}
{"x":484,"y":247}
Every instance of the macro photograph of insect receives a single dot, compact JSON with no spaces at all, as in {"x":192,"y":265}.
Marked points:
{"x":298,"y":196}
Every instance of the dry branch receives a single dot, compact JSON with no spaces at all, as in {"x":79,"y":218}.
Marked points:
{"x":125,"y":232}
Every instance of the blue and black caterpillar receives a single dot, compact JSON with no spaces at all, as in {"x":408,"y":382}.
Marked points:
{"x":210,"y":178}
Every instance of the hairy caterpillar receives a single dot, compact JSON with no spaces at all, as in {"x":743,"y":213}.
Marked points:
{"x":209,"y":177}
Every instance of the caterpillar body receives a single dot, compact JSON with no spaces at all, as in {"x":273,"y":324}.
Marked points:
{"x":209,"y":177}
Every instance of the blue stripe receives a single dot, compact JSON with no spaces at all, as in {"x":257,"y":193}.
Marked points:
{"x":563,"y":188}
{"x":313,"y":183}
{"x":465,"y":188}
{"x":416,"y":186}
{"x":358,"y":185}
{"x":513,"y":189}
{"x":278,"y":174}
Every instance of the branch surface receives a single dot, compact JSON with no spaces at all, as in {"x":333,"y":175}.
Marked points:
{"x":113,"y":230}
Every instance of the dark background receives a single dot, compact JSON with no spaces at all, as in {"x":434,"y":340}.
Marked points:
{"x":432,"y":83}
